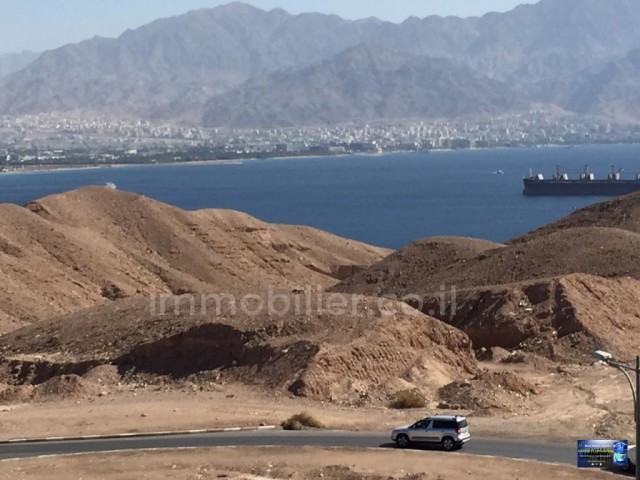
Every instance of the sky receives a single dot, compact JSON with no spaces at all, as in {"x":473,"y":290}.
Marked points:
{"x":40,"y":25}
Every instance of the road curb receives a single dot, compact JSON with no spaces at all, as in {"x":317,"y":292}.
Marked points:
{"x":137,"y":435}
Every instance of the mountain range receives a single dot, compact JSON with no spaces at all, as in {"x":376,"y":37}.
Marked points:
{"x":361,"y":84}
{"x":237,"y":65}
{"x":13,"y":62}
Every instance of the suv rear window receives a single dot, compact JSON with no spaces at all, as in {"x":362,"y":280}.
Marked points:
{"x":462,"y":423}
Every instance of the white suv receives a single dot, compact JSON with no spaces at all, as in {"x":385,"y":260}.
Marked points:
{"x":449,"y":431}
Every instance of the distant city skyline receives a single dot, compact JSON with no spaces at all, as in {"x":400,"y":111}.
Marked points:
{"x":39,"y":25}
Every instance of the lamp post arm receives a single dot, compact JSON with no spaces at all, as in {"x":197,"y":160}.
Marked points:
{"x":633,"y":390}
{"x":621,"y":366}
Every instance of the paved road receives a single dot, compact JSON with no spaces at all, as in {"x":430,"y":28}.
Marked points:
{"x":478,"y":446}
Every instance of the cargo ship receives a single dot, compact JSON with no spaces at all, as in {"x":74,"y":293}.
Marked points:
{"x":587,"y":185}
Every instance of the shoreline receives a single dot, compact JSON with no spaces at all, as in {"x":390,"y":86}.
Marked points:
{"x":73,"y":168}
{"x":45,"y":169}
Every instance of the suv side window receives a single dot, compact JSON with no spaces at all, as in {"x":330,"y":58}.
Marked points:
{"x":422,"y":423}
{"x":444,"y":424}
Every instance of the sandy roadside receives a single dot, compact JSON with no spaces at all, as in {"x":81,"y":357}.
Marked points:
{"x":155,"y":409}
{"x":281,"y":463}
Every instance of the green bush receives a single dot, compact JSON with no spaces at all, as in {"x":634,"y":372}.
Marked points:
{"x":301,"y":421}
{"x":406,"y":399}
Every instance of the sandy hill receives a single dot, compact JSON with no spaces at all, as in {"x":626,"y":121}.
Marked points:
{"x":560,"y":291}
{"x":74,"y":250}
{"x":408,"y":270}
{"x":605,"y":252}
{"x":621,"y":212}
{"x":365,"y":351}
{"x":564,"y":318}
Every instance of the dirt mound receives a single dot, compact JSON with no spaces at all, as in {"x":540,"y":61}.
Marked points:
{"x":56,"y":388}
{"x":362,"y":353}
{"x":622,"y":213}
{"x":93,"y":245}
{"x":562,"y":319}
{"x":16,"y":395}
{"x":65,"y":386}
{"x":105,"y":375}
{"x":407,"y":271}
{"x":504,"y":391}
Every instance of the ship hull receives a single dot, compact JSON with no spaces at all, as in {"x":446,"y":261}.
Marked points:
{"x":579,"y":188}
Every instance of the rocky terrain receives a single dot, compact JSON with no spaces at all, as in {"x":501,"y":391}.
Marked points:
{"x":622,"y":213}
{"x":513,"y":339}
{"x":409,"y":270}
{"x":365,"y":354}
{"x":560,"y":292}
{"x":75,"y":250}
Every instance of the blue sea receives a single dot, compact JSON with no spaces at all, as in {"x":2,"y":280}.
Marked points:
{"x":387,"y":200}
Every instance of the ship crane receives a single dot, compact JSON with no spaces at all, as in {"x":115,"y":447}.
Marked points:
{"x":560,"y":175}
{"x":587,"y":175}
{"x":615,"y":174}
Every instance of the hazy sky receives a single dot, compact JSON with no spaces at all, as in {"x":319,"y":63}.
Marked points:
{"x":44,"y":24}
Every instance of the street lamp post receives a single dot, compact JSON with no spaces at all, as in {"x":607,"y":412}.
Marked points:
{"x":607,"y":358}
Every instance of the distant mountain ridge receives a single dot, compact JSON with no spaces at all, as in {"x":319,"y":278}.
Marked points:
{"x":172,"y":68}
{"x":364,"y":83}
{"x":14,"y":62}
{"x":613,"y":91}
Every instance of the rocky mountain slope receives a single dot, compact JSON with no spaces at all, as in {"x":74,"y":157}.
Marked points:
{"x":362,"y":84}
{"x":612,"y":91}
{"x":94,"y":245}
{"x":170,"y":68}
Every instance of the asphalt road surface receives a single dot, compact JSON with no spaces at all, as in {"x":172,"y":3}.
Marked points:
{"x":546,"y":452}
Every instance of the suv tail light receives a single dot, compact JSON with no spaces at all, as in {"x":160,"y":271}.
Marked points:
{"x":457,"y":430}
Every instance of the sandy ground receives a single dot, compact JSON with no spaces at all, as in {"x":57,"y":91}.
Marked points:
{"x":590,"y":400}
{"x":280,"y":463}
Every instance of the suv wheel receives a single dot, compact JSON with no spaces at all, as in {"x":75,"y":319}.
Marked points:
{"x":448,"y":444}
{"x":402,"y":441}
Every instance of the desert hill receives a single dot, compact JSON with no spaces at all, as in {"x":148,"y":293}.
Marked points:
{"x":365,"y":351}
{"x":409,"y":269}
{"x":563,"y":318}
{"x":561,"y":291}
{"x":80,"y":248}
{"x":605,"y":252}
{"x":621,"y":212}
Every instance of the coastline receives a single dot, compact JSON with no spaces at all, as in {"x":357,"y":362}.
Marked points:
{"x":46,"y":169}
{"x":72,"y":168}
